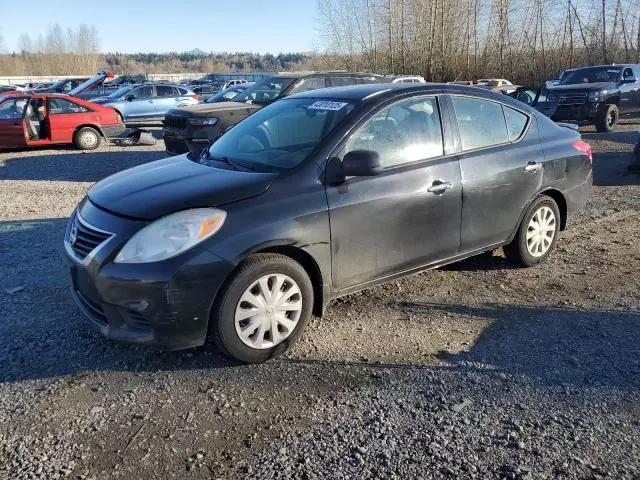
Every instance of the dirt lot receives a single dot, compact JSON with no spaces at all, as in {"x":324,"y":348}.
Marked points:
{"x":477,"y":370}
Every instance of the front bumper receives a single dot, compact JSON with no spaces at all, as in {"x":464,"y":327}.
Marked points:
{"x":192,"y":140}
{"x":113,"y":130}
{"x":586,"y":112}
{"x":164,"y":303}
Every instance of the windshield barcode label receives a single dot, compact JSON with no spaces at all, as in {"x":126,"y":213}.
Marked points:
{"x":327,"y":105}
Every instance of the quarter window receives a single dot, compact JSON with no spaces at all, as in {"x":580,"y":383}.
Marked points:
{"x":405,"y":132}
{"x":60,"y":106}
{"x":516,"y":122}
{"x":481,"y":122}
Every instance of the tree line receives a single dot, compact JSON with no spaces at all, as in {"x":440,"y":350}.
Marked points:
{"x":527,"y":41}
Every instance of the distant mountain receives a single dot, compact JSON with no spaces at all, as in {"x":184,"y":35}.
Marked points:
{"x":196,"y":52}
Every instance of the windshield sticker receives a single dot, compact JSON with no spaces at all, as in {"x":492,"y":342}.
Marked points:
{"x":327,"y":105}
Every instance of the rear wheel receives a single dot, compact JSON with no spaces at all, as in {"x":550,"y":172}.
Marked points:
{"x":607,"y":118}
{"x":262,"y":309}
{"x":87,"y":138}
{"x":537,"y":233}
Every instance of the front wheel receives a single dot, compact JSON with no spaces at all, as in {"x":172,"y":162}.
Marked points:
{"x":607,"y":118}
{"x":262,"y":309}
{"x":537,"y":233}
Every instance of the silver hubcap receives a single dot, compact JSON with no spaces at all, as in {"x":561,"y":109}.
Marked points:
{"x":268,"y":311}
{"x":541,"y":230}
{"x":88,"y":139}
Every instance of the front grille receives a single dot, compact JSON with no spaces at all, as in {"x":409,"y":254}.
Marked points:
{"x":84,"y":238}
{"x":572,"y":98}
{"x":179,"y":123}
{"x":176,"y":146}
{"x":93,"y":309}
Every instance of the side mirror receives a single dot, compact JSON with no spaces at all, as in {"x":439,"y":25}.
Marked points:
{"x":361,"y":163}
{"x":130,"y":98}
{"x":629,"y":80}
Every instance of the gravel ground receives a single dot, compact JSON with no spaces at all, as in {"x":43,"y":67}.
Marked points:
{"x":477,"y":370}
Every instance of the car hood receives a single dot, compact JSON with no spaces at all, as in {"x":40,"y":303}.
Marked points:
{"x":208,"y":109}
{"x":165,"y":186}
{"x":103,"y":100}
{"x":584,"y":86}
{"x":93,"y":82}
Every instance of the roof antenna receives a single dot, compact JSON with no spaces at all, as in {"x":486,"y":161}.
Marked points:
{"x":455,"y":79}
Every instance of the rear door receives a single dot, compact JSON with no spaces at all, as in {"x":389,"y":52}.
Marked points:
{"x":407,"y":216}
{"x":12,"y":128}
{"x":502,"y":166}
{"x":165,"y":100}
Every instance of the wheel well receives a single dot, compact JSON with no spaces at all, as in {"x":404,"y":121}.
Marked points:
{"x":95,"y":127}
{"x":613,"y":100}
{"x":562,"y":205}
{"x":310,"y":266}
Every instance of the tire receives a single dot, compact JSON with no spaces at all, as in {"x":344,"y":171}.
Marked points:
{"x":238,"y":298}
{"x":87,"y":138}
{"x":529,"y":252}
{"x":607,"y":118}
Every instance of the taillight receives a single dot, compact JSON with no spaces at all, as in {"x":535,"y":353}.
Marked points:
{"x":196,"y":97}
{"x":583,"y":147}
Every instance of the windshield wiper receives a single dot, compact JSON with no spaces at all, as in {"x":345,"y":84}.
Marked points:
{"x":228,"y":161}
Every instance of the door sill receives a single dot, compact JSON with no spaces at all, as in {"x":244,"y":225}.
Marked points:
{"x":414,"y":270}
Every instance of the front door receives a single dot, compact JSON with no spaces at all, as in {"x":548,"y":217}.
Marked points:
{"x":140,"y":103}
{"x":629,"y":100}
{"x":502,"y":166}
{"x":408,"y":215}
{"x":12,"y":125}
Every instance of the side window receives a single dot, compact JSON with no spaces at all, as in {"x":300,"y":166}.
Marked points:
{"x":12,"y":109}
{"x":164,"y":91}
{"x":481,"y":122}
{"x":60,"y":106}
{"x":516,"y":122}
{"x":311,"y":83}
{"x":405,"y":132}
{"x":142,"y":92}
{"x":342,"y":81}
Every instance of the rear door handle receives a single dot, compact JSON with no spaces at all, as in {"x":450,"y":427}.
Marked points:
{"x":532,"y":167}
{"x":439,"y":187}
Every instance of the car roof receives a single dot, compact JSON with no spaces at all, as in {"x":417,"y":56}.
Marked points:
{"x":360,"y":93}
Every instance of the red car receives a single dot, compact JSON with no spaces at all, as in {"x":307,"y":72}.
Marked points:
{"x":32,"y":120}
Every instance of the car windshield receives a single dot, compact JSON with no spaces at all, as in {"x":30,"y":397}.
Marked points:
{"x":265,"y":91}
{"x":121,"y":91}
{"x":591,"y":75}
{"x":225,"y":95}
{"x":278,"y":137}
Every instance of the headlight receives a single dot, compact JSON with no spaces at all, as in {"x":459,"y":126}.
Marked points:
{"x":171,"y":235}
{"x":203,"y":121}
{"x":596,"y":96}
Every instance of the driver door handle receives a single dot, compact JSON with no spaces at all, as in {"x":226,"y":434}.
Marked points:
{"x":532,"y":167}
{"x":439,"y":187}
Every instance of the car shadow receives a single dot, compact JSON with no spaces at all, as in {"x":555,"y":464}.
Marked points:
{"x":596,"y":348}
{"x":44,"y":334}
{"x":74,"y":166}
{"x":623,"y":137}
{"x":484,"y":262}
{"x":612,"y":169}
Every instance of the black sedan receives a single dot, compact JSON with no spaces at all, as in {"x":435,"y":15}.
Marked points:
{"x":311,"y":198}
